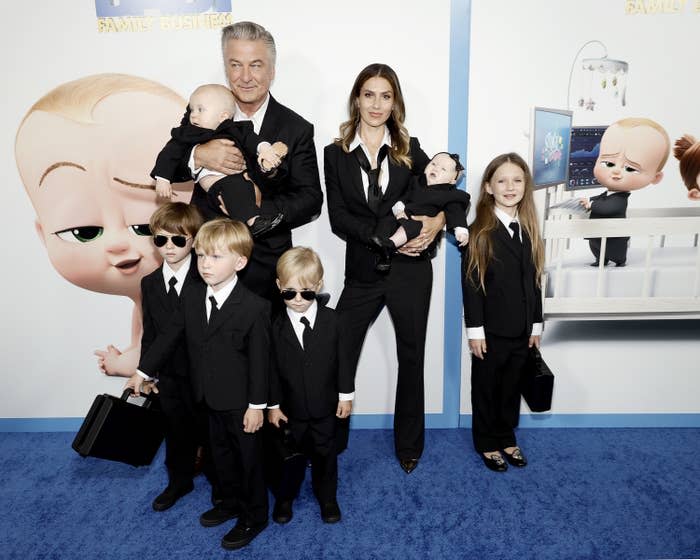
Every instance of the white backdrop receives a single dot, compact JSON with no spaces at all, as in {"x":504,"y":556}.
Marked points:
{"x":521,"y":54}
{"x":50,"y":327}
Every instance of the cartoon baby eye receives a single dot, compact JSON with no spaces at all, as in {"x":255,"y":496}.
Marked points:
{"x":83,"y":234}
{"x":141,"y":229}
{"x":607,"y":163}
{"x":630,"y":169}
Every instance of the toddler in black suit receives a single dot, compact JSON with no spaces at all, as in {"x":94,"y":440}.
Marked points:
{"x":430,"y":193}
{"x":226,"y":331}
{"x":209,"y":115}
{"x":309,"y":388}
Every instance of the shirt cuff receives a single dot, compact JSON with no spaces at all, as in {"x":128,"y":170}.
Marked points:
{"x":262,"y":406}
{"x":398,"y":208}
{"x":194,"y":170}
{"x":476,"y":333}
{"x":144,"y":375}
{"x":162,"y":178}
{"x":272,"y":406}
{"x":262,"y":144}
{"x":460,"y":229}
{"x":536,"y":329}
{"x":346,"y":396}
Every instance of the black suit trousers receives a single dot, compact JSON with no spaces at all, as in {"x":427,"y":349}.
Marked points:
{"x":238,"y":194}
{"x":496,"y":392}
{"x":238,"y":461}
{"x":406,"y":293}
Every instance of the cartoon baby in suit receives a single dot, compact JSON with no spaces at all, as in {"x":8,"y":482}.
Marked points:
{"x":84,"y":152}
{"x":633,"y":152}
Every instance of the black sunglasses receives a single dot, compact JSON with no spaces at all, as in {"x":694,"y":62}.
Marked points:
{"x":289,"y":295}
{"x":178,"y":240}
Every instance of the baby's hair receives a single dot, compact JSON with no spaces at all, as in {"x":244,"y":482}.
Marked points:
{"x":301,"y":263}
{"x":223,"y":97}
{"x":76,"y":100}
{"x":480,"y":246}
{"x":224,"y":233}
{"x":177,"y":217}
{"x":458,"y":165}
{"x":633,"y":122}
{"x":687,"y":152}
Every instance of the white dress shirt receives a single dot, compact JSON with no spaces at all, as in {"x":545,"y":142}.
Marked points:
{"x":180,"y":275}
{"x":478,"y":333}
{"x":383,"y":170}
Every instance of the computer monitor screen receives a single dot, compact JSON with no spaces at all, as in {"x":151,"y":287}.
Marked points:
{"x":585,"y":148}
{"x":550,"y":156}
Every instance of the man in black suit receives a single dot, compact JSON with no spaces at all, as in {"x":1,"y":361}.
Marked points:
{"x":249,"y":58}
{"x":309,"y":385}
{"x":226,"y":329}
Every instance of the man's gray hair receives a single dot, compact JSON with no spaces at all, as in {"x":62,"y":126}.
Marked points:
{"x":249,"y":31}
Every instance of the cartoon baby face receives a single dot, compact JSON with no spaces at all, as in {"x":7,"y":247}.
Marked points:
{"x":90,"y":186}
{"x":630,"y":157}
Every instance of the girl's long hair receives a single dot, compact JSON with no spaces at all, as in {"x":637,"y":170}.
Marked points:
{"x":400,"y":139}
{"x":480,"y":245}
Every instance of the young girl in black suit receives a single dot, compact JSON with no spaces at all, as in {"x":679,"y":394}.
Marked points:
{"x":502,"y":304}
{"x":367,"y":170}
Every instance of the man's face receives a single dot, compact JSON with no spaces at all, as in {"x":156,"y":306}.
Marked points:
{"x":218,"y":267}
{"x":249,"y":71}
{"x":440,"y":170}
{"x":90,"y":187}
{"x":629,"y":158}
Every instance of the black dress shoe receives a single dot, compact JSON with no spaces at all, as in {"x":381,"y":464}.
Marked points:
{"x":408,"y":465}
{"x":282,"y":512}
{"x":517,"y":459}
{"x":241,"y":535}
{"x":495,"y":462}
{"x":265,"y":224}
{"x":330,"y":512}
{"x":168,"y":497}
{"x":216,"y":516}
{"x":385,"y":248}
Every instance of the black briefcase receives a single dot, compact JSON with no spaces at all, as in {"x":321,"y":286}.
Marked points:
{"x":118,"y":430}
{"x":537,"y":382}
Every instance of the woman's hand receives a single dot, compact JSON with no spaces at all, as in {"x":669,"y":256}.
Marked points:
{"x":477,"y":346}
{"x":431,"y":227}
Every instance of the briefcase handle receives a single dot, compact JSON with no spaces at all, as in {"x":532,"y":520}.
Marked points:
{"x":148,"y":400}
{"x":127,"y":393}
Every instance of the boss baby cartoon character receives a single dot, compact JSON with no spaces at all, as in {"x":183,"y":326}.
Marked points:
{"x":633,"y":152}
{"x":687,"y":152}
{"x":84,"y":152}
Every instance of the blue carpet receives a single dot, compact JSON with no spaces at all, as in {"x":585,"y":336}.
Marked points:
{"x":594,"y":493}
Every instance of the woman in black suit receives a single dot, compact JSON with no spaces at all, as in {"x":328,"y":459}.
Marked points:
{"x":367,"y":170}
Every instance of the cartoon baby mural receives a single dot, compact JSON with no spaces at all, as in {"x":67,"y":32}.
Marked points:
{"x":84,"y":152}
{"x":687,"y":152}
{"x":633,"y":152}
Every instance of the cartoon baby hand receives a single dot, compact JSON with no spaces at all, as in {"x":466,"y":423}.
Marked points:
{"x":586,"y":203}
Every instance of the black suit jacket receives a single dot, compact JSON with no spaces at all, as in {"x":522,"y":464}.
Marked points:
{"x":172,"y":160}
{"x":613,"y":205}
{"x":512,"y":301}
{"x":306,"y":382}
{"x":158,"y":314}
{"x":229,"y":357}
{"x":351,"y":217}
{"x":295,"y":191}
{"x":424,"y":200}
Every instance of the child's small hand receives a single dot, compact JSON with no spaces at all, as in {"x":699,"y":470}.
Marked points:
{"x":164,"y":189}
{"x":135,"y":382}
{"x":534,"y":341}
{"x":275,"y":415}
{"x":344,"y":409}
{"x":462,"y":237}
{"x":268,"y":159}
{"x":252,"y":420}
{"x":401,"y":216}
{"x":477,"y":346}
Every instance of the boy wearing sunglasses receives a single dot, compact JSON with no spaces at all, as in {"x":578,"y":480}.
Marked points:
{"x":309,"y":385}
{"x":174,"y":226}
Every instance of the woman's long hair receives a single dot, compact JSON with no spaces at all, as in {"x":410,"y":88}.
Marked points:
{"x":400,"y":139}
{"x":480,"y":245}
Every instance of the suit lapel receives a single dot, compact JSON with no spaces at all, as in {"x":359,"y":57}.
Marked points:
{"x":288,"y":334}
{"x":270,"y":127}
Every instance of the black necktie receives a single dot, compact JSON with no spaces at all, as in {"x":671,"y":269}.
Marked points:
{"x":172,"y":292}
{"x":515,"y":226}
{"x":214,"y":309}
{"x":306,"y":335}
{"x":374,"y":192}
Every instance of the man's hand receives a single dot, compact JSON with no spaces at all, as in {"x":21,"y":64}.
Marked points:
{"x":252,"y":420}
{"x":431,"y":227}
{"x":477,"y":346}
{"x":344,"y":409}
{"x":220,"y":155}
{"x":275,"y":415}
